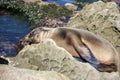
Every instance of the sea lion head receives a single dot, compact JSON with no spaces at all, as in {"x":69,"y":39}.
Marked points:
{"x":35,"y":36}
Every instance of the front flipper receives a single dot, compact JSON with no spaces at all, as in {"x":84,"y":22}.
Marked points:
{"x":89,"y":57}
{"x":86,"y":54}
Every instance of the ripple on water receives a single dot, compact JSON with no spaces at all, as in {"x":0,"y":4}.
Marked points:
{"x":11,"y":30}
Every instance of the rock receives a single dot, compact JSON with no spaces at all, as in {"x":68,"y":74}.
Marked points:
{"x":3,"y":60}
{"x":71,"y":6}
{"x":116,"y":1}
{"x":11,"y":73}
{"x":39,"y":2}
{"x":28,"y":1}
{"x":111,"y":0}
{"x":42,"y":3}
{"x":4,"y":12}
{"x":102,"y":19}
{"x":51,"y":23}
{"x":46,"y":55}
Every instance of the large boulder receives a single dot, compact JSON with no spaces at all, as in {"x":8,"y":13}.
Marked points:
{"x":102,"y":19}
{"x":46,"y":55}
{"x":11,"y":73}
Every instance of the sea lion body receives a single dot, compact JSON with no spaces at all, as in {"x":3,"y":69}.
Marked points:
{"x":79,"y":43}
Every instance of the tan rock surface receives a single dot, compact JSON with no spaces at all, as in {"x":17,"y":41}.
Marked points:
{"x":11,"y":73}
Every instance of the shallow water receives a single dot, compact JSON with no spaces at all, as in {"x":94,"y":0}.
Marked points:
{"x":62,"y":2}
{"x":11,"y":30}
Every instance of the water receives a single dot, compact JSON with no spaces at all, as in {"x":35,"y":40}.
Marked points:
{"x":11,"y":30}
{"x":62,"y":2}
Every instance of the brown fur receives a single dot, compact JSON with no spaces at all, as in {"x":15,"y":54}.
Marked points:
{"x":79,"y":43}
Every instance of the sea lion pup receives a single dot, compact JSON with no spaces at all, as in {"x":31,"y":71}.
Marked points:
{"x":79,"y":43}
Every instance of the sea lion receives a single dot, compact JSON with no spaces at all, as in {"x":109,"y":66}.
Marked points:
{"x":82,"y":44}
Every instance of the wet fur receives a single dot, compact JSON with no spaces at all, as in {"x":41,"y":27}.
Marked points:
{"x":81,"y":44}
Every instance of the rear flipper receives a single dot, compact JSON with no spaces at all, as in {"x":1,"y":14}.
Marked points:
{"x":97,"y":66}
